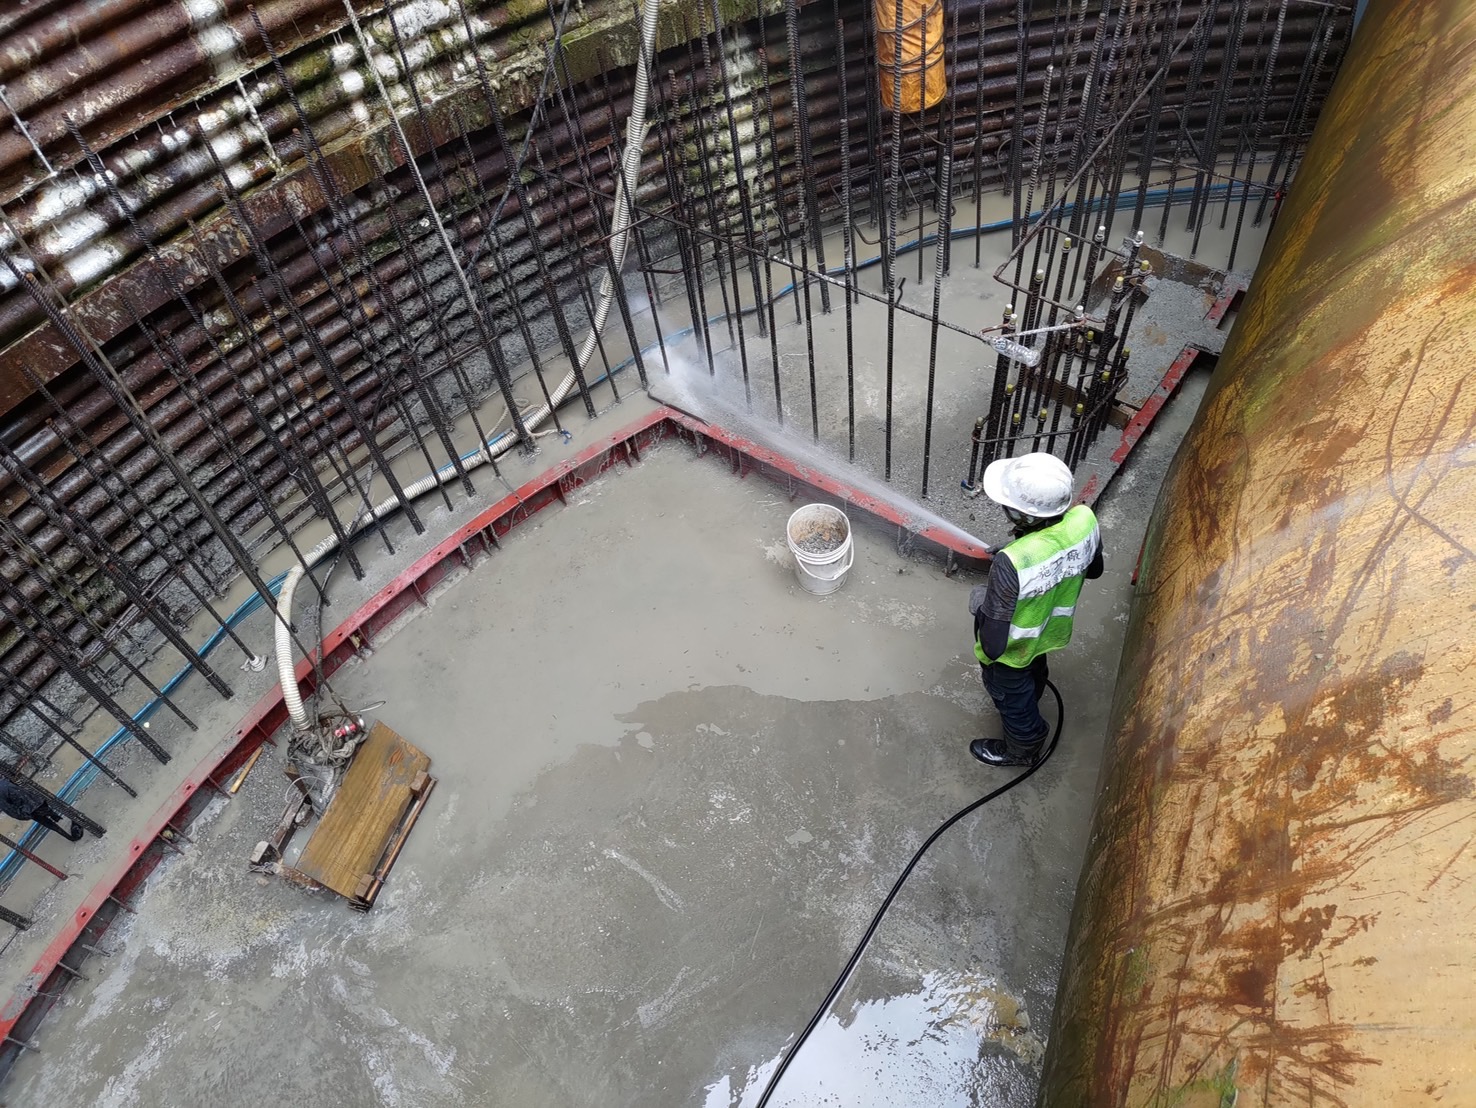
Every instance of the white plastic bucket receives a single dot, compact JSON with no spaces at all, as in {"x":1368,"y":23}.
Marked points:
{"x":820,"y":573}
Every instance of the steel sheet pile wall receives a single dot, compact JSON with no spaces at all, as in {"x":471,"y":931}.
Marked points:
{"x":1276,"y":904}
{"x":225,"y":304}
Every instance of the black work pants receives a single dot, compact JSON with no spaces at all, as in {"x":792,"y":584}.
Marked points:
{"x":1016,"y":694}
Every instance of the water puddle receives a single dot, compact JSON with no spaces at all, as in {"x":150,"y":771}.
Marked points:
{"x":958,"y":1042}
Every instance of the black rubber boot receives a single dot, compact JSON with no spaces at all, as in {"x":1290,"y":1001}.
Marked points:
{"x":1006,"y":753}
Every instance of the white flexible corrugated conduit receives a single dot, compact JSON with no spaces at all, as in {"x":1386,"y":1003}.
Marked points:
{"x":630,"y":165}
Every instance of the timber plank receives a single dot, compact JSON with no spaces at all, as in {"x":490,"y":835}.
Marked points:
{"x":365,"y":813}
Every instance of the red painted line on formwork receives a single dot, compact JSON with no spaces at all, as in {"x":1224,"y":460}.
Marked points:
{"x":1139,"y":424}
{"x":1223,"y":301}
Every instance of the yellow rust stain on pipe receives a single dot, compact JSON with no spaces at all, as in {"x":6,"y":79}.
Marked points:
{"x":1278,"y":905}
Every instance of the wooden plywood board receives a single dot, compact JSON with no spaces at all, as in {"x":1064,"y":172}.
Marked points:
{"x":367,"y":813}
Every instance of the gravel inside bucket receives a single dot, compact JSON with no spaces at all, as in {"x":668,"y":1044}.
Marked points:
{"x":821,"y":538}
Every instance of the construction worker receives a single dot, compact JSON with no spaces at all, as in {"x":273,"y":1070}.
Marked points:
{"x":19,"y":802}
{"x":1025,"y":610}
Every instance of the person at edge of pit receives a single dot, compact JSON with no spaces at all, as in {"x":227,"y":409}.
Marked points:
{"x":1025,"y":609}
{"x":22,"y":803}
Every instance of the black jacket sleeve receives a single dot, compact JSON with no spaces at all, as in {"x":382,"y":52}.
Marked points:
{"x":992,"y":606}
{"x":16,"y":801}
{"x":1095,"y":567}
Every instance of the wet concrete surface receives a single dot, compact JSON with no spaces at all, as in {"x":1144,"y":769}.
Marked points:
{"x":971,"y":299}
{"x":674,"y":787}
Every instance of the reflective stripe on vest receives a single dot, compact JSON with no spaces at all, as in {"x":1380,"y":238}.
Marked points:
{"x":1050,"y":564}
{"x":1034,"y":632}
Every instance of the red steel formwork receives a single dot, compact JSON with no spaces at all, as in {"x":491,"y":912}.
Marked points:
{"x":22,"y":1013}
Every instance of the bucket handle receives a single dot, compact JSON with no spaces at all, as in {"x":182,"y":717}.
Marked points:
{"x":841,"y":568}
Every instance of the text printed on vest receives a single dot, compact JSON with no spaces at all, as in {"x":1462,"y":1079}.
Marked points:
{"x":1040,"y":579}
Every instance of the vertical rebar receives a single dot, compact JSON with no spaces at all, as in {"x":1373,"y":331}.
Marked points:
{"x":800,"y":106}
{"x":697,"y":113}
{"x":779,"y":195}
{"x":126,"y":402}
{"x":95,"y":549}
{"x":846,"y":243}
{"x":1170,"y":25}
{"x":686,"y":219}
{"x":978,"y":142}
{"x":29,"y":559}
{"x":691,"y":275}
{"x":31,"y":697}
{"x":1017,"y":125}
{"x":514,"y":168}
{"x":1210,"y":148}
{"x":894,"y":172}
{"x":769,"y":295}
{"x":1202,"y":29}
{"x":488,"y":341}
{"x":944,"y":227}
{"x":745,"y":206}
{"x":809,"y":323}
{"x":1250,"y":169}
{"x":1311,"y":69}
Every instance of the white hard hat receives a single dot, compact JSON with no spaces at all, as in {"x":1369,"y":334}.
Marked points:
{"x":1039,"y":485}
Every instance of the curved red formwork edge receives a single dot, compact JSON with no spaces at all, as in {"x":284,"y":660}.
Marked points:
{"x":410,"y":587}
{"x":476,"y":536}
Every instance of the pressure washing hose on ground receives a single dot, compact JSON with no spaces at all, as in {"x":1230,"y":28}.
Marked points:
{"x":845,"y":974}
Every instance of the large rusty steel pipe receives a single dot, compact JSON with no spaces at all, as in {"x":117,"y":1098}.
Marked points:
{"x":1277,"y":901}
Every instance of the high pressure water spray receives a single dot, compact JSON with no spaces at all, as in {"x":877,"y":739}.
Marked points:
{"x":854,"y":960}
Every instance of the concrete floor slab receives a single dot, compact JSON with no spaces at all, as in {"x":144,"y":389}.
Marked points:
{"x":971,"y":299}
{"x":674,"y":788}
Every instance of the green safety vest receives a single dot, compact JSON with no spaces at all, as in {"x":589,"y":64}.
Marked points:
{"x":1050,"y":563}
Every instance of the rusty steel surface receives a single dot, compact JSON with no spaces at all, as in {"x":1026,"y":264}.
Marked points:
{"x":1277,"y":900}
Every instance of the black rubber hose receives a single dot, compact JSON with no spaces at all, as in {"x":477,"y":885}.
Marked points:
{"x":840,"y":982}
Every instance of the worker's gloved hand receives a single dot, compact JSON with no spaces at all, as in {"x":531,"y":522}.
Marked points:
{"x":976,"y":599}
